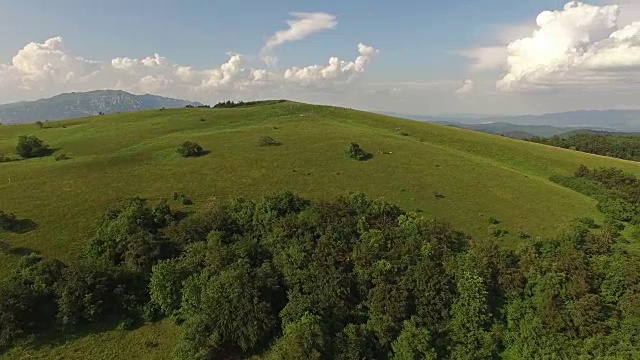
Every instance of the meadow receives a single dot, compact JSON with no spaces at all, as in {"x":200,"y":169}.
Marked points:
{"x":456,"y":175}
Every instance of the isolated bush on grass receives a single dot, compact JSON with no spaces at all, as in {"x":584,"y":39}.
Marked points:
{"x":357,"y":153}
{"x":190,"y":149}
{"x":31,"y":147}
{"x":268,"y":141}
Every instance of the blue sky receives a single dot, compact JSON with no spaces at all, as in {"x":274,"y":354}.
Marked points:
{"x":419,"y":67}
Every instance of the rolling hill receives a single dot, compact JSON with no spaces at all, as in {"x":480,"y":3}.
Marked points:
{"x":457,"y":175}
{"x":74,"y":105}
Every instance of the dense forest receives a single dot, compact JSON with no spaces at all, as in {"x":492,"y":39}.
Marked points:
{"x":283,"y":277}
{"x":623,"y":147}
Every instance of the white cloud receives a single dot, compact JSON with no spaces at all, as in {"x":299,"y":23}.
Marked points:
{"x":579,"y":45}
{"x":486,"y":58}
{"x":46,"y":68}
{"x":304,"y":25}
{"x":466,"y":88}
{"x":336,"y":70}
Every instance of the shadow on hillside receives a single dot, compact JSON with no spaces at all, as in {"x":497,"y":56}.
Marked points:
{"x":58,"y":337}
{"x":15,"y":251}
{"x":23,"y":226}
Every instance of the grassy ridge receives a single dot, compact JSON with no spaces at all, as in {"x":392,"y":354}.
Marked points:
{"x":118,"y":156}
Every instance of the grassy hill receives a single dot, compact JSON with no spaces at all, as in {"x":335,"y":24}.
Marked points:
{"x":474,"y":175}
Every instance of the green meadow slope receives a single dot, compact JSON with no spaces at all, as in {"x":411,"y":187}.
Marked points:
{"x":476,"y":176}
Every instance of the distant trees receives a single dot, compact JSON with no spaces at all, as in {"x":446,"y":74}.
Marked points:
{"x":357,"y":153}
{"x":190,"y":149}
{"x":31,"y":147}
{"x":619,"y":146}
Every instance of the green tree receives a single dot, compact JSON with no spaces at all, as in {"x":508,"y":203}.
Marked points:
{"x":413,"y":343}
{"x":303,"y":339}
{"x":190,"y":149}
{"x":31,"y":146}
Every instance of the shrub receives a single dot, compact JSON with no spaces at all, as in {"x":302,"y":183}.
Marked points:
{"x":190,"y":149}
{"x":61,"y":157}
{"x":7,"y":221}
{"x":31,"y":146}
{"x":39,"y":124}
{"x":268,"y":141}
{"x":404,"y":133}
{"x":494,"y":221}
{"x":357,"y":153}
{"x":186,"y":201}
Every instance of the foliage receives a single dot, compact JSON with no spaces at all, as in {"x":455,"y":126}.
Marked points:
{"x":31,"y":147}
{"x":190,"y":149}
{"x":232,"y":104}
{"x":355,"y":152}
{"x":617,"y":192}
{"x":623,"y":147}
{"x":7,"y":221}
{"x":346,"y":278}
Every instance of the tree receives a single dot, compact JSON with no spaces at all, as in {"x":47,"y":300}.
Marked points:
{"x":413,"y":343}
{"x":303,"y":339}
{"x":7,"y":221}
{"x":39,"y":124}
{"x":31,"y":146}
{"x":355,"y":152}
{"x":190,"y":149}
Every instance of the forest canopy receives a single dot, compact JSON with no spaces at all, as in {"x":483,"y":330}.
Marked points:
{"x":283,"y":277}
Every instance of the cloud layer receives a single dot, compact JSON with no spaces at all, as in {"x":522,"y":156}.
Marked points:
{"x":304,"y":25}
{"x":579,"y":45}
{"x":48,"y":68}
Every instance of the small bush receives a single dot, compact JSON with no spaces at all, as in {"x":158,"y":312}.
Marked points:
{"x":190,"y":149}
{"x":125,"y":324}
{"x":186,"y":201}
{"x":494,"y":221}
{"x":39,"y":124}
{"x":357,"y":153}
{"x":404,"y":133}
{"x":31,"y":147}
{"x":268,"y":141}
{"x":522,"y":234}
{"x":62,"y":157}
{"x":496,"y":231}
{"x":7,"y":221}
{"x":588,"y":222}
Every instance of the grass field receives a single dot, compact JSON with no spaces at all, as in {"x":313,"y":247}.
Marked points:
{"x":476,"y":176}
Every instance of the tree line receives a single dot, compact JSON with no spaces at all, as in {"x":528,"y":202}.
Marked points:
{"x":283,"y":277}
{"x":623,"y":147}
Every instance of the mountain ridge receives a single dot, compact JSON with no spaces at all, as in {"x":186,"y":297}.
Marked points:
{"x":81,"y":104}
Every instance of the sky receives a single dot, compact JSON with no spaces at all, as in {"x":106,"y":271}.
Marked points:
{"x":405,"y":56}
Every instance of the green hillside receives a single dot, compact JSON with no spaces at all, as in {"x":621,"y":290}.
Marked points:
{"x":460,"y":176}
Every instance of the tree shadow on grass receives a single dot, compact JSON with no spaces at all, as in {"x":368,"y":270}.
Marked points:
{"x":16,"y":251}
{"x":23,"y":226}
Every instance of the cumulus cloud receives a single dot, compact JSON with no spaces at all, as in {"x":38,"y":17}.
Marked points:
{"x":466,"y":88}
{"x":579,"y":45}
{"x":303,"y":25}
{"x":336,"y":70}
{"x":47,"y":68}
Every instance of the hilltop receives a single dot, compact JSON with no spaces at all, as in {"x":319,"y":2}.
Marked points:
{"x":74,"y":105}
{"x":467,"y":178}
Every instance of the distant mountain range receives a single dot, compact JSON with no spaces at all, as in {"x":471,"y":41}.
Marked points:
{"x":543,"y":125}
{"x":73,"y":105}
